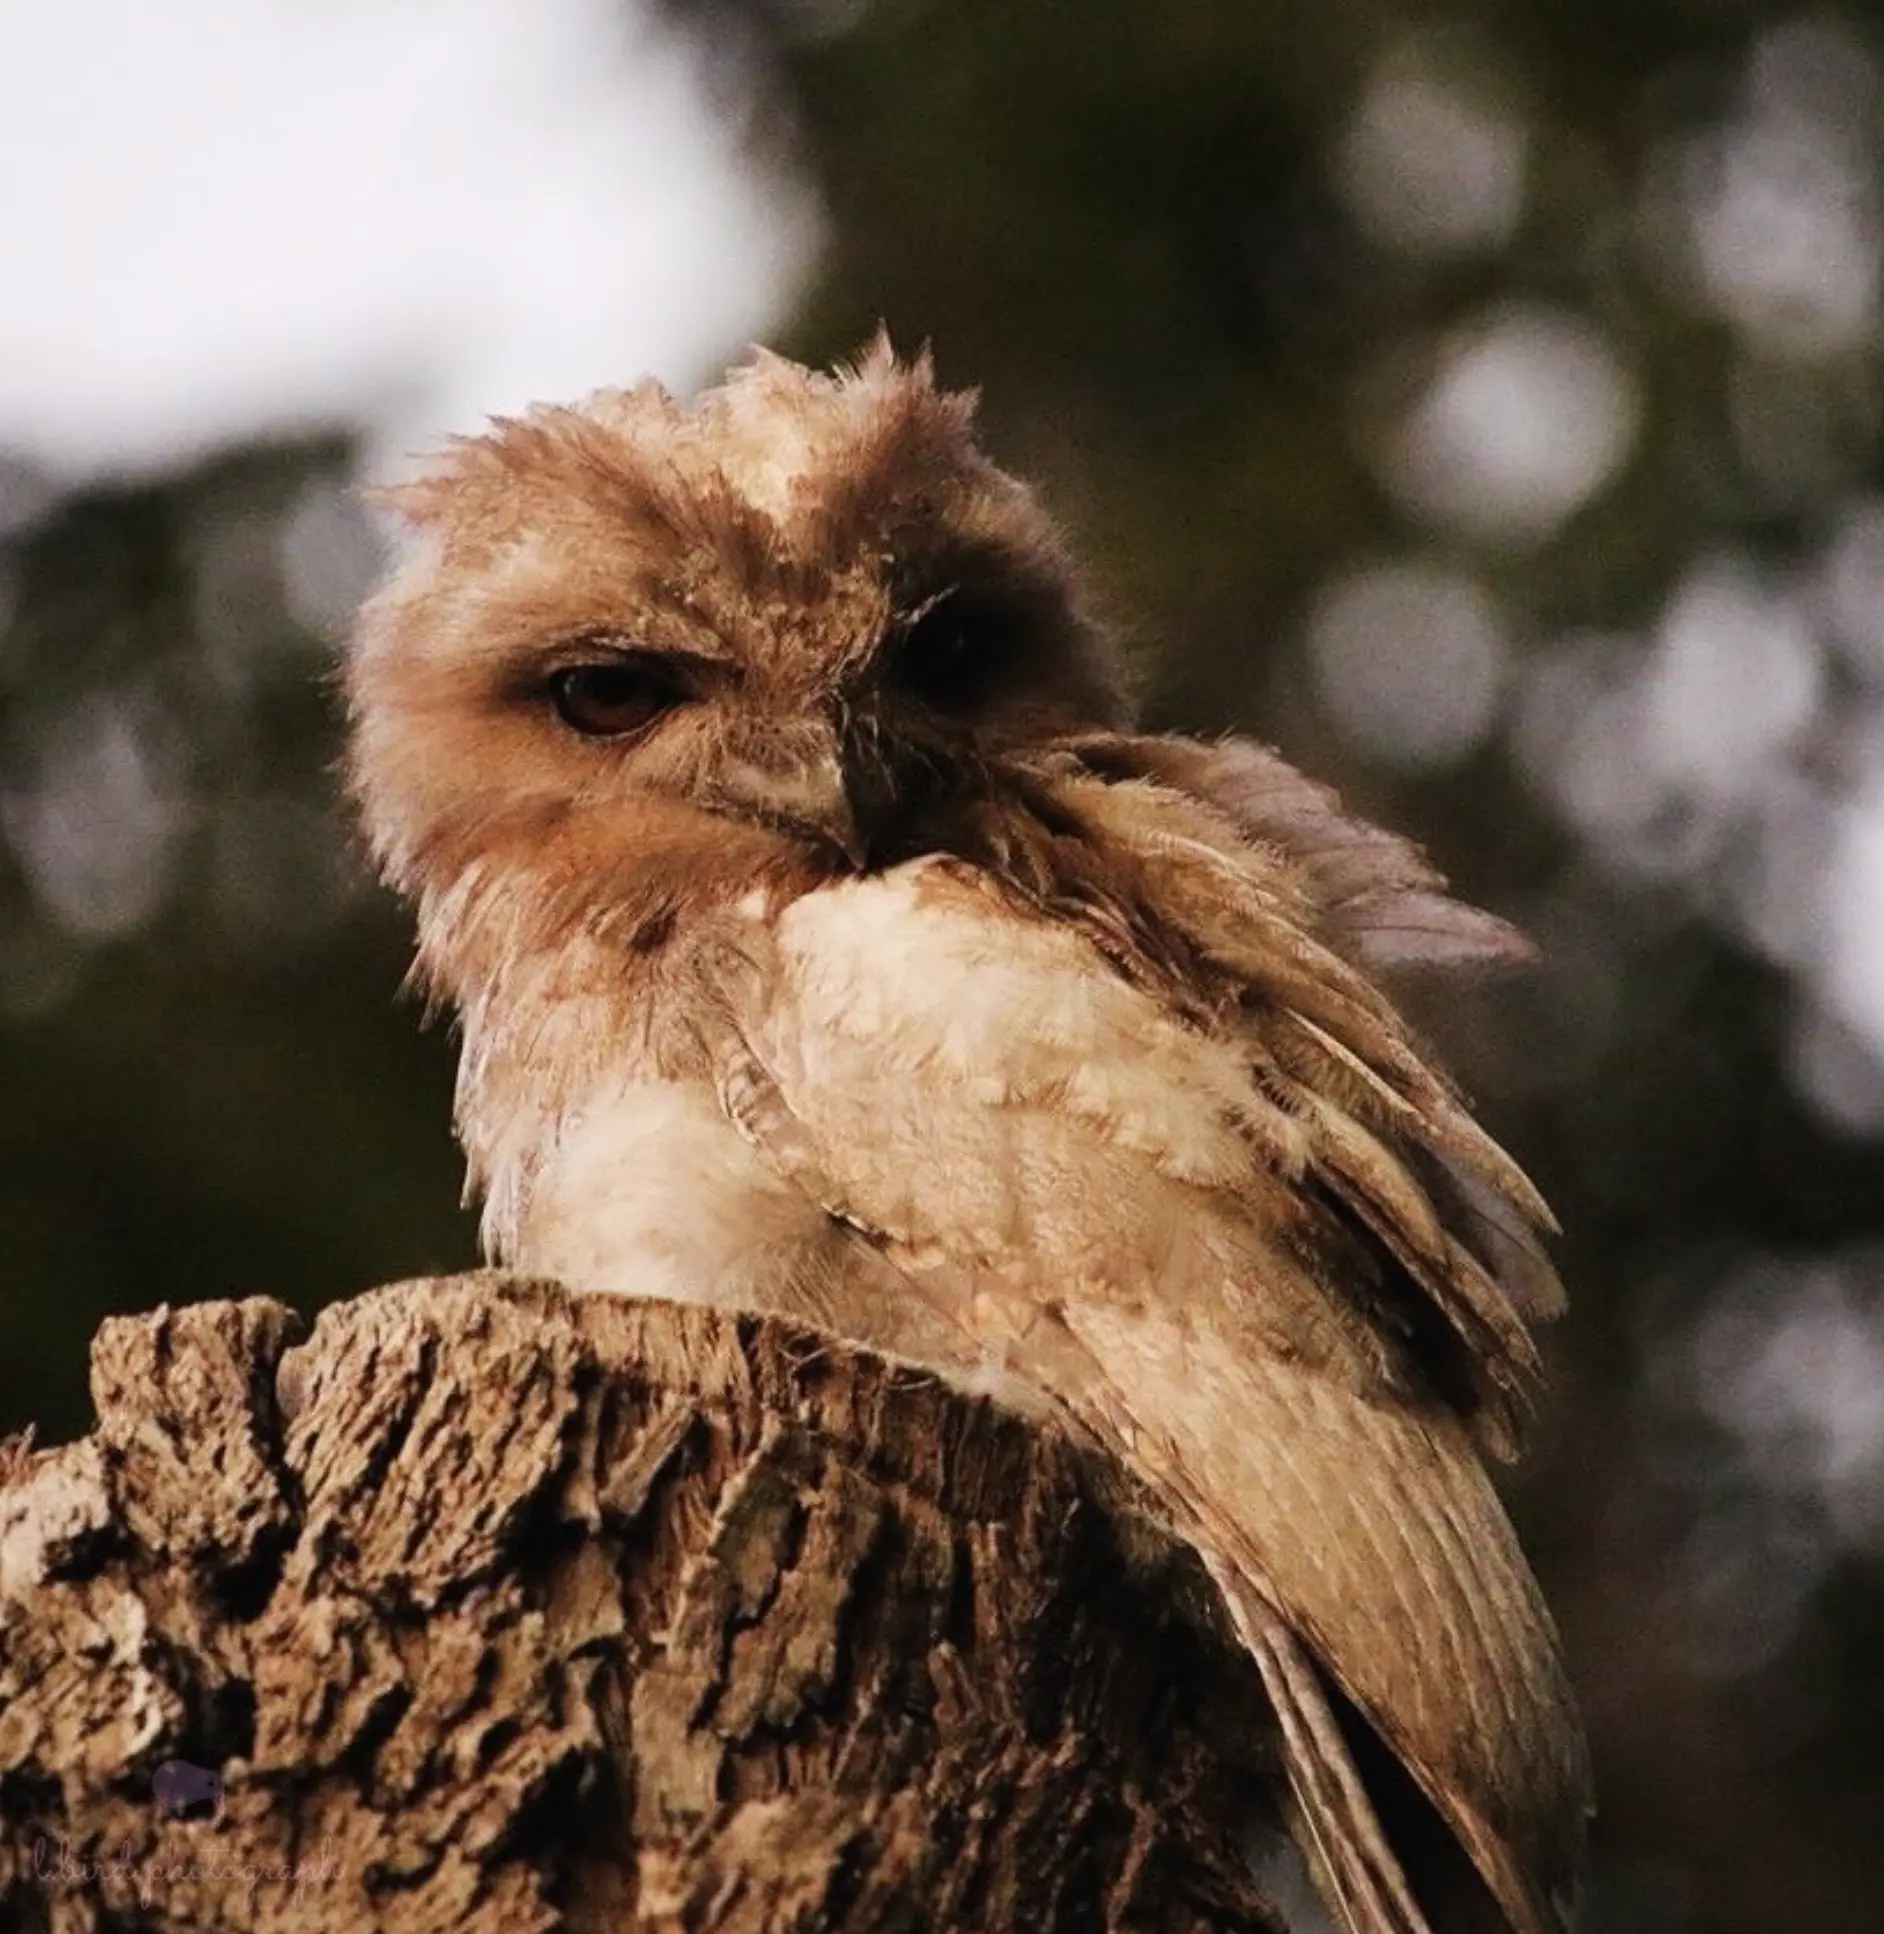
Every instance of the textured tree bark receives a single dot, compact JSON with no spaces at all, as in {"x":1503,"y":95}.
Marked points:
{"x":490,"y":1607}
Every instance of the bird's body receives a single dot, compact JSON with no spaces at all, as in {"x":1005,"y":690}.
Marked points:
{"x":821,"y":957}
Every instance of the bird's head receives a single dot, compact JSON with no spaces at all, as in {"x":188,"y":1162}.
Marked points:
{"x":642,"y":654}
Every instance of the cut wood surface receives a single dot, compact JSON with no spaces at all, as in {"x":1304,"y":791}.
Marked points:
{"x":492,"y":1607}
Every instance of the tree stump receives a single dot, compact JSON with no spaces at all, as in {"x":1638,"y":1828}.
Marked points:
{"x":493,"y":1607}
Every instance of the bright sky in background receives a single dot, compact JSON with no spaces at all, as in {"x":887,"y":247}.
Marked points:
{"x":224,"y":217}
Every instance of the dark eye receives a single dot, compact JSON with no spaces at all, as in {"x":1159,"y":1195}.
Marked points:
{"x":612,"y":697}
{"x":947,"y":657}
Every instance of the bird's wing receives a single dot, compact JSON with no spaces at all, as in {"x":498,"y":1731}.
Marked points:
{"x":1021,"y":1131}
{"x":1225,"y":860}
{"x":1374,"y":899}
{"x":1374,"y":889}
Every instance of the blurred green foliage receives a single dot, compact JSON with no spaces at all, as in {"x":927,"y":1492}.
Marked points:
{"x":209,"y":1088}
{"x":1189,"y":256}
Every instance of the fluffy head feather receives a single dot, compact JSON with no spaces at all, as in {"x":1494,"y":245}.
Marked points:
{"x":835,"y":604}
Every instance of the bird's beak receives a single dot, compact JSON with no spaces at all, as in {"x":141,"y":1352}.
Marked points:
{"x":798,"y":784}
{"x":832,"y":824}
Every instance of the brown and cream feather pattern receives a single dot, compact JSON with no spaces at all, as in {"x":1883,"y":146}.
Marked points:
{"x":826,"y":942}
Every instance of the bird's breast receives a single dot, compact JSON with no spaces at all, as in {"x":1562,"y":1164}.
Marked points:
{"x":994,"y":1077}
{"x":974,"y":1087}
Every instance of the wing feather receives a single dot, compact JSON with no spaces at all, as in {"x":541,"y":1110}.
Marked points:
{"x":1278,"y":891}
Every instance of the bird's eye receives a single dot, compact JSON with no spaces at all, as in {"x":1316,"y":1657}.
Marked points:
{"x":947,"y":656}
{"x":611,"y":698}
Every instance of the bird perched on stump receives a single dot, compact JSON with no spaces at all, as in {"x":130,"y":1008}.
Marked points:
{"x":827,"y":942}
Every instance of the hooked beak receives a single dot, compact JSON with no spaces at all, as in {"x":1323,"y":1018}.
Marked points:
{"x":798,"y":784}
{"x":832,"y":828}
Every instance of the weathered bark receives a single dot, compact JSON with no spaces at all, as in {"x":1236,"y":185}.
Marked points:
{"x":497,"y":1608}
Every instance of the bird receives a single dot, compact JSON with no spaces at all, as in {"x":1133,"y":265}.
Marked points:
{"x":827,"y":940}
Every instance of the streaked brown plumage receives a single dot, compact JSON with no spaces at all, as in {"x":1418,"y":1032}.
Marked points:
{"x":826,"y":942}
